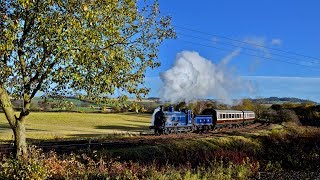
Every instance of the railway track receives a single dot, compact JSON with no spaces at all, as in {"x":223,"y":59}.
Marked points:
{"x":69,"y":146}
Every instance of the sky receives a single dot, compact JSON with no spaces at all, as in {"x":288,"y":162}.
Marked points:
{"x":278,"y":44}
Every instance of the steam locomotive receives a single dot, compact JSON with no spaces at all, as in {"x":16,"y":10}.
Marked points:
{"x":183,"y":121}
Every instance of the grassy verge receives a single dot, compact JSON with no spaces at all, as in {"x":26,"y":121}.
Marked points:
{"x":81,"y":166}
{"x":282,"y":151}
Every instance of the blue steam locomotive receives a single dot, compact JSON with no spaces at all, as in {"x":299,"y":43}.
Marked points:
{"x":183,"y":121}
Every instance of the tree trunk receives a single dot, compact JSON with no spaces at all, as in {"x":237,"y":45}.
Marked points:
{"x":16,"y":124}
{"x":20,"y":143}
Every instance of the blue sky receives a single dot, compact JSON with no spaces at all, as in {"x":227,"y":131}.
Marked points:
{"x":286,"y":25}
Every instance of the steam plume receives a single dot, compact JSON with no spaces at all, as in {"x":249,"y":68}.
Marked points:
{"x":194,"y":77}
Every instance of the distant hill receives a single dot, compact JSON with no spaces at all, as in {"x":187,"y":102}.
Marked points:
{"x":278,"y":100}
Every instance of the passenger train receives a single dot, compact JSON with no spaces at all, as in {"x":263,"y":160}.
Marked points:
{"x":183,"y":121}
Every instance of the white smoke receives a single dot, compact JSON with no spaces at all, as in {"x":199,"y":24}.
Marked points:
{"x":193,"y":77}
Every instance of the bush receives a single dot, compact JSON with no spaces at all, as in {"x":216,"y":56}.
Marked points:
{"x":280,"y":116}
{"x":286,"y":115}
{"x":50,"y":166}
{"x":31,"y":167}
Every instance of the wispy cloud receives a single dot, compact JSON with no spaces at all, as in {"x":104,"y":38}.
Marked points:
{"x":215,"y":40}
{"x":282,"y":86}
{"x":276,"y":42}
{"x":256,"y":41}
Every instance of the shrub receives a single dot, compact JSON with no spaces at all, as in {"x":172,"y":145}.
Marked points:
{"x":74,"y":166}
{"x":31,"y":167}
{"x":280,"y":116}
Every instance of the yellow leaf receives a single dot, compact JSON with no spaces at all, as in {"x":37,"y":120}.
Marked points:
{"x":85,"y":7}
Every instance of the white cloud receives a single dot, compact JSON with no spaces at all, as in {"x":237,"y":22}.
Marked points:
{"x":276,"y":42}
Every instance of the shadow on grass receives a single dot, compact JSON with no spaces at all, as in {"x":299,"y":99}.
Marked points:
{"x":100,"y":136}
{"x":34,"y":130}
{"x":124,"y":128}
{"x":238,"y":133}
{"x":137,"y":114}
{"x":7,"y":127}
{"x":4,"y":126}
{"x":136,"y":121}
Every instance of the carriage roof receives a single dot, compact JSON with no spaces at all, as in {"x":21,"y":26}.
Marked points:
{"x":227,"y":111}
{"x":232,"y":111}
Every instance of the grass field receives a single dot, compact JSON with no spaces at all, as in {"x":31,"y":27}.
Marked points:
{"x":42,"y":125}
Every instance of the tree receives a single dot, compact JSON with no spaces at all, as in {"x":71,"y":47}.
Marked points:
{"x":90,"y":49}
{"x":276,"y":107}
{"x":246,"y":104}
{"x":180,"y":105}
{"x":259,"y":109}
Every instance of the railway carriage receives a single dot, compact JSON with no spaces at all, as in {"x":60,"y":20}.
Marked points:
{"x":249,"y":116}
{"x":224,"y":118}
{"x":228,"y":117}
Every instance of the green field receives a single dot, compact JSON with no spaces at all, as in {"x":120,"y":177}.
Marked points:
{"x":42,"y":125}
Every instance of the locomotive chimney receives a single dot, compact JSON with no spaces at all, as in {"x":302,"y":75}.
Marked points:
{"x":171,"y":108}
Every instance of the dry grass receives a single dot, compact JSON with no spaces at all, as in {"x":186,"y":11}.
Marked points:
{"x":42,"y":125}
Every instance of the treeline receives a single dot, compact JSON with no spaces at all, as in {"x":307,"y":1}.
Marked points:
{"x":49,"y":105}
{"x":307,"y":113}
{"x":72,"y":104}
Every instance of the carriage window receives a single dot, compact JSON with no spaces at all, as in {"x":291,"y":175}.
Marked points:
{"x":224,"y":115}
{"x":232,"y":116}
{"x":220,"y":116}
{"x":229,"y":115}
